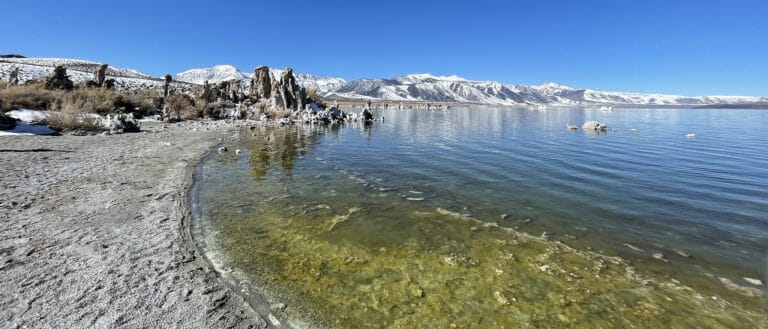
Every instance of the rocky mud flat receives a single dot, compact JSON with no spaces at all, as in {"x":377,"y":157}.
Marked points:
{"x":95,"y":233}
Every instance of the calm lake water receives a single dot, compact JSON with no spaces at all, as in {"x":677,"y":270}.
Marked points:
{"x":492,"y":217}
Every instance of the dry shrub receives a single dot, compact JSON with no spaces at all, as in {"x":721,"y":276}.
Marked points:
{"x":314,"y":97}
{"x":278,"y":114}
{"x":181,"y":105}
{"x":28,"y":96}
{"x":143,"y":101}
{"x":74,"y":121}
{"x":99,"y":101}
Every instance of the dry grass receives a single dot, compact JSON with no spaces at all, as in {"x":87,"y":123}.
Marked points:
{"x":279,"y":114}
{"x":182,"y":106}
{"x":74,"y":121}
{"x":99,"y":101}
{"x":28,"y":96}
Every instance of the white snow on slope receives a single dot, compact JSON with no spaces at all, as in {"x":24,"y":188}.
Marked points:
{"x":221,"y":73}
{"x":80,"y":71}
{"x":430,"y":88}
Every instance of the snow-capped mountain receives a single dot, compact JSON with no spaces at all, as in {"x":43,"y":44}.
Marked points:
{"x":587,"y":96}
{"x":221,"y":73}
{"x":430,"y":88}
{"x":426,"y":87}
{"x":412,"y":87}
{"x":214,"y":74}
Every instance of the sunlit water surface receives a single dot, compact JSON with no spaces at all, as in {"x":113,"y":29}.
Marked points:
{"x":497,"y":218}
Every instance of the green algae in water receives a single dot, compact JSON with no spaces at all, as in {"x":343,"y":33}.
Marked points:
{"x":349,"y":255}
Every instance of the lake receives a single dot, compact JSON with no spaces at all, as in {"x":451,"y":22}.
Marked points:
{"x":488,"y":217}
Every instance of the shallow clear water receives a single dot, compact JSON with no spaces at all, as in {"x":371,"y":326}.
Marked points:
{"x":433,"y":203}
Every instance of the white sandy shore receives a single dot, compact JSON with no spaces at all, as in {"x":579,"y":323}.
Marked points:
{"x":94,"y":233}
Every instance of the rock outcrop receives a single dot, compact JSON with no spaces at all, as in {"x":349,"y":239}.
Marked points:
{"x":167,"y":85}
{"x":60,"y":80}
{"x":225,"y":91}
{"x":13,"y":78}
{"x":100,"y":74}
{"x":285,"y":94}
{"x":261,"y":84}
{"x":121,"y":123}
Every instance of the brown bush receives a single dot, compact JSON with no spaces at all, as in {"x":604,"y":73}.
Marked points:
{"x":29,"y":96}
{"x":314,"y":97}
{"x":99,"y":101}
{"x":278,"y":114}
{"x":144,"y":101}
{"x":181,"y":105}
{"x":74,"y":121}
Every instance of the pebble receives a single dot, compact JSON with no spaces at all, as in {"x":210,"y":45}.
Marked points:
{"x":500,"y":298}
{"x":683,"y":253}
{"x":272,"y":319}
{"x":753,"y":281}
{"x":417,"y":292}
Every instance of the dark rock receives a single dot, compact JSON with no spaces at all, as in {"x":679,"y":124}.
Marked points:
{"x":167,"y":85}
{"x":261,"y":83}
{"x":109,"y":84}
{"x":225,"y":91}
{"x":91,"y":84}
{"x":206,"y":94}
{"x":6,"y":122}
{"x":13,"y":79}
{"x":60,"y":80}
{"x":100,"y":74}
{"x":367,"y":114}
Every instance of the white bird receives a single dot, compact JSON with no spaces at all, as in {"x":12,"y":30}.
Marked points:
{"x":691,"y":135}
{"x":237,"y":151}
{"x":222,"y":149}
{"x":633,"y":130}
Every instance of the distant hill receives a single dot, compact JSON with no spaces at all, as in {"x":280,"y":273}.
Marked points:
{"x":409,"y":88}
{"x":80,"y":71}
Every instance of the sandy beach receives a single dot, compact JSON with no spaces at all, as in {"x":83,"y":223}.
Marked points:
{"x":95,"y":233}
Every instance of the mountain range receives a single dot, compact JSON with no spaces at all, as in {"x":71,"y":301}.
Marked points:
{"x":407,"y":88}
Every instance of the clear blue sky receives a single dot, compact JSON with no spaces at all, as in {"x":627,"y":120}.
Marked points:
{"x":673,"y":46}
